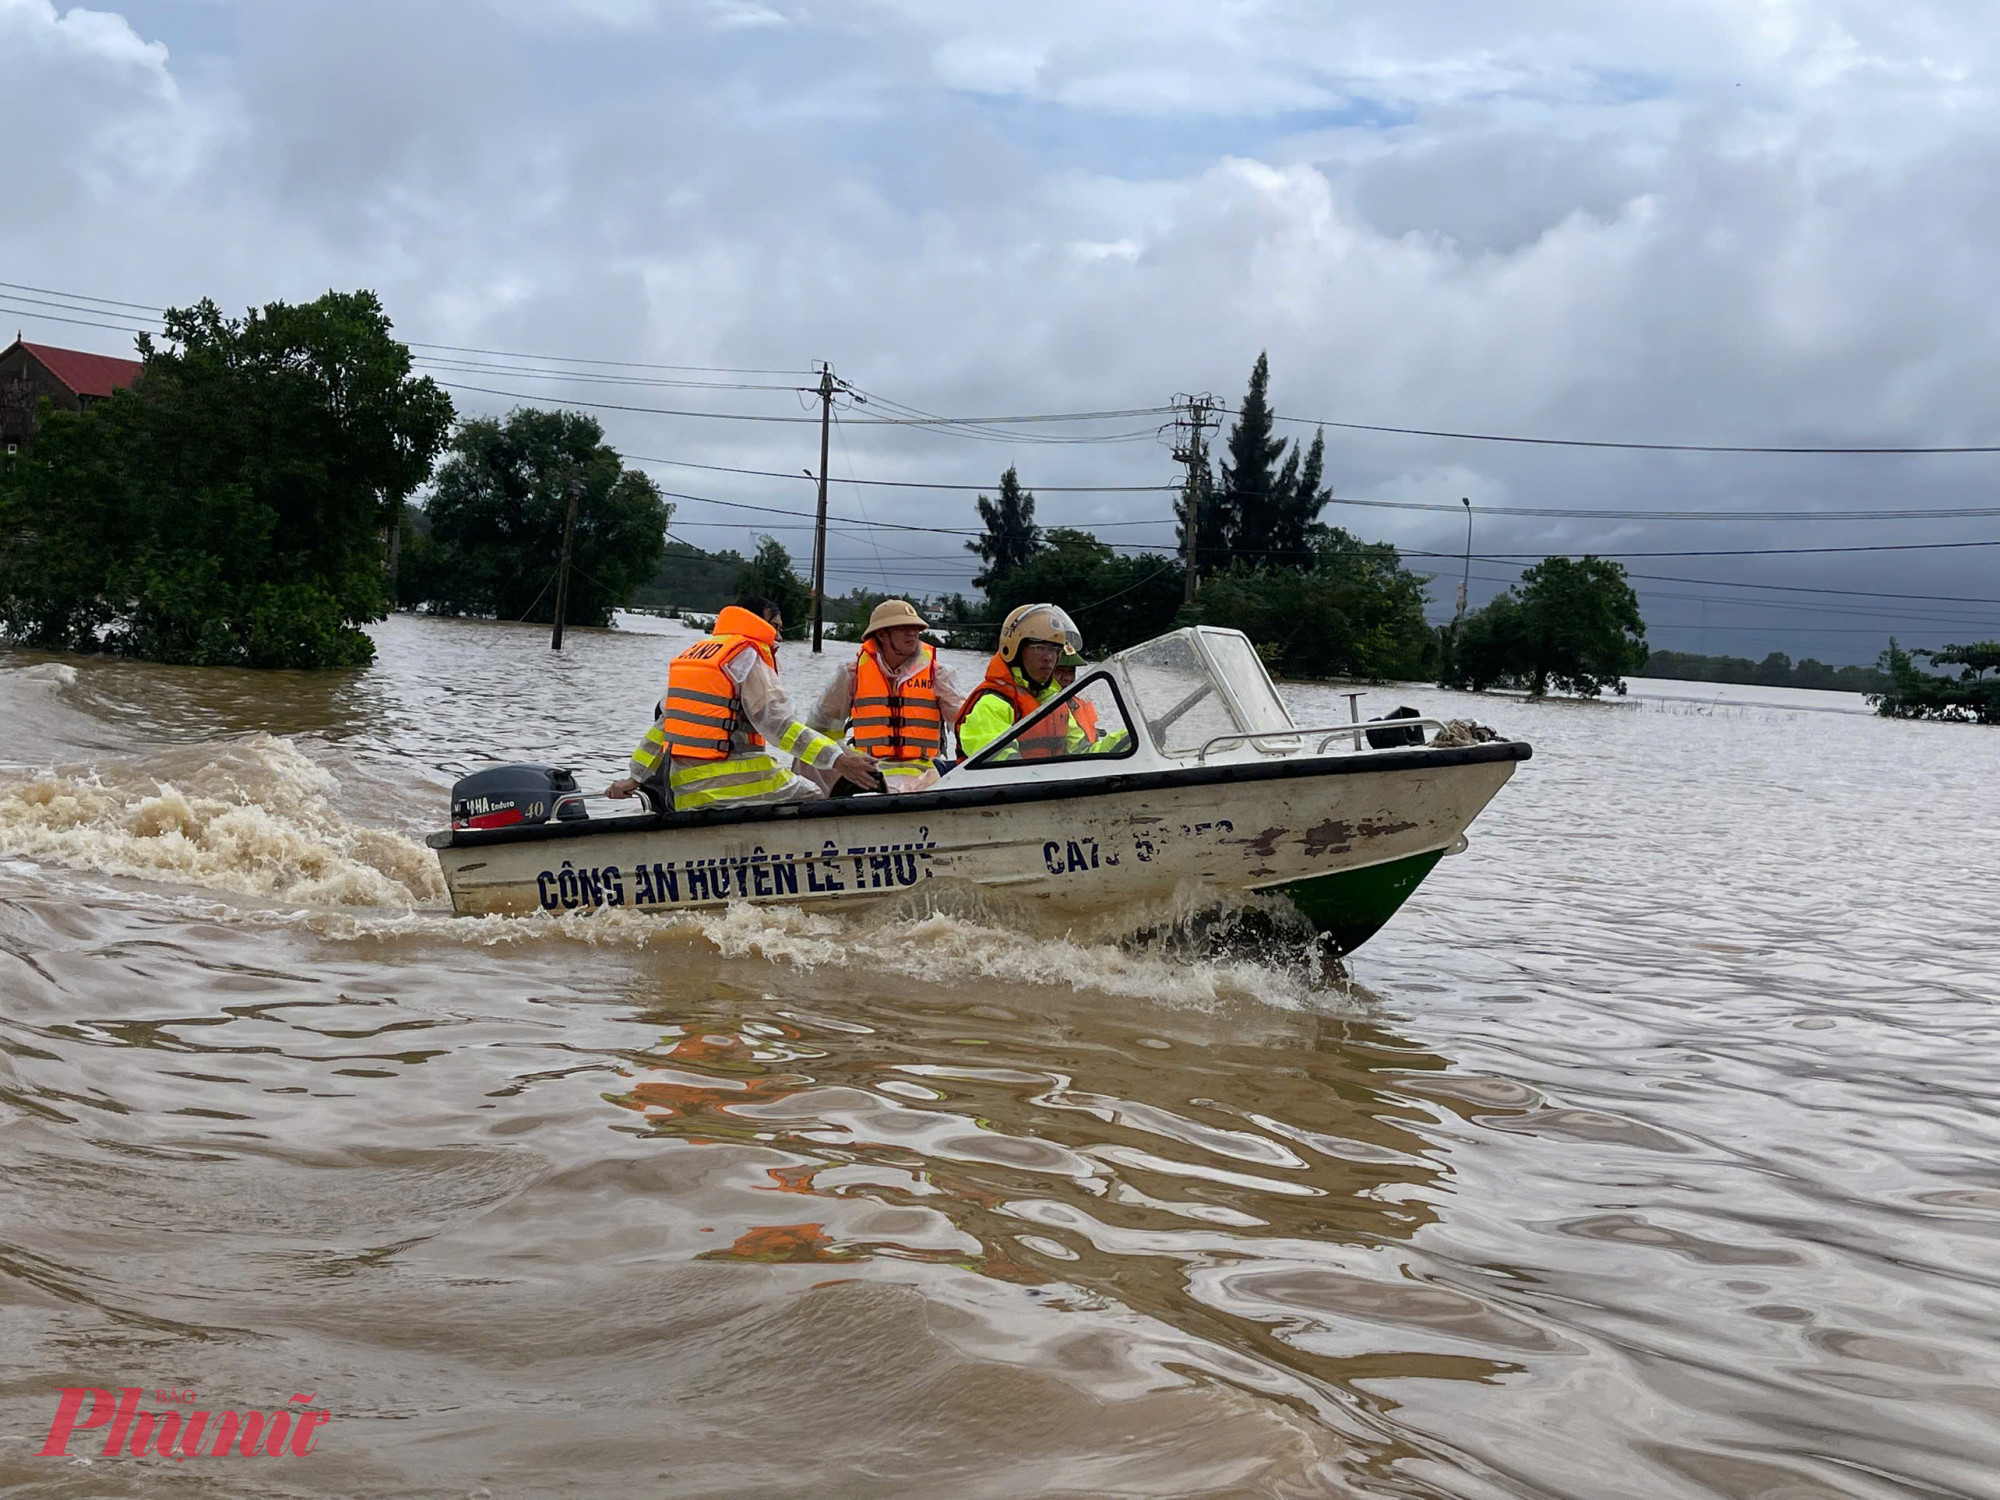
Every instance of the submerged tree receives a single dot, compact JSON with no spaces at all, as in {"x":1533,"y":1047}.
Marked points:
{"x":495,"y":523}
{"x":1977,"y":659}
{"x":1356,"y":612}
{"x":769,"y":572}
{"x":230,"y":507}
{"x":1116,"y":600}
{"x":1012,"y":537}
{"x":1574,"y":625}
{"x":1916,"y":694}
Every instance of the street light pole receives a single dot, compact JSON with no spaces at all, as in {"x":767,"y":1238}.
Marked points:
{"x":562,"y":568}
{"x":1465,"y":584}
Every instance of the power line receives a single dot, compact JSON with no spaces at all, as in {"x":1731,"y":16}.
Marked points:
{"x":1713,"y":551}
{"x":650,"y":382}
{"x":80,"y":322}
{"x":623,"y":364}
{"x":1549,"y":442}
{"x":1797,"y":605}
{"x":80,"y":297}
{"x":1539,"y":512}
{"x":63,"y":306}
{"x":627,"y":364}
{"x":809,"y":515}
{"x":1799,"y":588}
{"x":1500,"y":557}
{"x":925,"y":484}
{"x":917,"y":418}
{"x":932,"y":422}
{"x":1555,"y":513}
{"x":1948,"y":513}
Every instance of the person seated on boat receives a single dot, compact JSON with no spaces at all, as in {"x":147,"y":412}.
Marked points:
{"x":724,"y":715}
{"x":893,"y":699}
{"x":1019,"y":679}
{"x":1084,"y":713}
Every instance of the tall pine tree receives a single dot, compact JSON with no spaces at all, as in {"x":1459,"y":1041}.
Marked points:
{"x":1300,"y":501}
{"x":1248,"y":498}
{"x":1012,"y":537}
{"x":1263,"y":512}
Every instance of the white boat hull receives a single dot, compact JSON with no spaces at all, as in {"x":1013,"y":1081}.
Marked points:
{"x":1344,"y":837}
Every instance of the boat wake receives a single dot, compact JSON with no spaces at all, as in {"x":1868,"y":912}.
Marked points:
{"x":254,"y":817}
{"x":935,"y":947}
{"x":258,"y":818}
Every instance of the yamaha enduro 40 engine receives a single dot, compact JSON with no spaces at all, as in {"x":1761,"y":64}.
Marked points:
{"x":503,"y":796}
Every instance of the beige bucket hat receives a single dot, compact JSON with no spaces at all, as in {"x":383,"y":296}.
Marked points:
{"x":891,"y":613}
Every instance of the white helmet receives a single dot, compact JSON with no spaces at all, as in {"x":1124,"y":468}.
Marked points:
{"x":1042,"y":623}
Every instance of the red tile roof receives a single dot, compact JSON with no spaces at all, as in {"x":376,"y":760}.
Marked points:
{"x":86,"y":374}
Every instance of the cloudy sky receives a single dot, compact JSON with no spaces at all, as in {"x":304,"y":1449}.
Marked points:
{"x":1758,"y":222}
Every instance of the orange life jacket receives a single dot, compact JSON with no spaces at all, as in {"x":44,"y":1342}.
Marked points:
{"x":1050,"y":737}
{"x":1085,"y":714}
{"x":896,"y":721}
{"x":701,"y":709}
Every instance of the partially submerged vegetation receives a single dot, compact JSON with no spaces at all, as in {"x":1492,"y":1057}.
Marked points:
{"x":1970,"y":696}
{"x":229,"y":508}
{"x":489,"y":540}
{"x":1573,"y":624}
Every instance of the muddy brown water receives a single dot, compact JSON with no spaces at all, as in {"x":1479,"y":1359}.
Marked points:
{"x":1651,"y":1151}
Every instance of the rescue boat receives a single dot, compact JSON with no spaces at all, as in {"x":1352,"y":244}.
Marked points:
{"x":1193,"y":783}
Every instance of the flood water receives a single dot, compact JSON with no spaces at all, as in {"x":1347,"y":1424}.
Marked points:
{"x":1651,"y":1151}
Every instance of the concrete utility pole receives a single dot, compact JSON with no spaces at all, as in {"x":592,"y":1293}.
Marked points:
{"x":395,"y":550}
{"x":562,"y":568}
{"x":1466,"y":583}
{"x":819,"y":526}
{"x":1188,"y":450}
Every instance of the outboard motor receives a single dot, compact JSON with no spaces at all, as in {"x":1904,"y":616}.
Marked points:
{"x":501,"y":796}
{"x":1391,"y":739}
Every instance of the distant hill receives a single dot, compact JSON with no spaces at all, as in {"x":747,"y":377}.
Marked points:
{"x":1775,"y":670}
{"x":690,"y":578}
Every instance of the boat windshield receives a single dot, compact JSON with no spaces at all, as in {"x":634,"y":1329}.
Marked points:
{"x":1086,"y":722}
{"x":1193,"y":685}
{"x":1242,"y":672}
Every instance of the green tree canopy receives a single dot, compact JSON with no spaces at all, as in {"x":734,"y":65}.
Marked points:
{"x":769,"y":573}
{"x":1574,"y":624}
{"x":1977,"y":659}
{"x":1917,"y":694}
{"x":229,"y":508}
{"x":1116,"y":601}
{"x":496,"y":520}
{"x":1356,"y":612}
{"x":1012,"y":537}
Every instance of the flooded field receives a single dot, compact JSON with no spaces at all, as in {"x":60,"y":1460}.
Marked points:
{"x":1651,"y":1151}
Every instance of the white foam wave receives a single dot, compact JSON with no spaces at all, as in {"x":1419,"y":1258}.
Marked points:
{"x":944,"y":949}
{"x":935,"y":947}
{"x":252,"y":816}
{"x":58,"y":672}
{"x":255,"y":817}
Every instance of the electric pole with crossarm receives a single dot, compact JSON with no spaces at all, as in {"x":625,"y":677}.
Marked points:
{"x":826,"y":385}
{"x":1193,"y":419}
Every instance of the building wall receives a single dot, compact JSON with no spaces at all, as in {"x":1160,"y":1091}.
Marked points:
{"x":23,"y":382}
